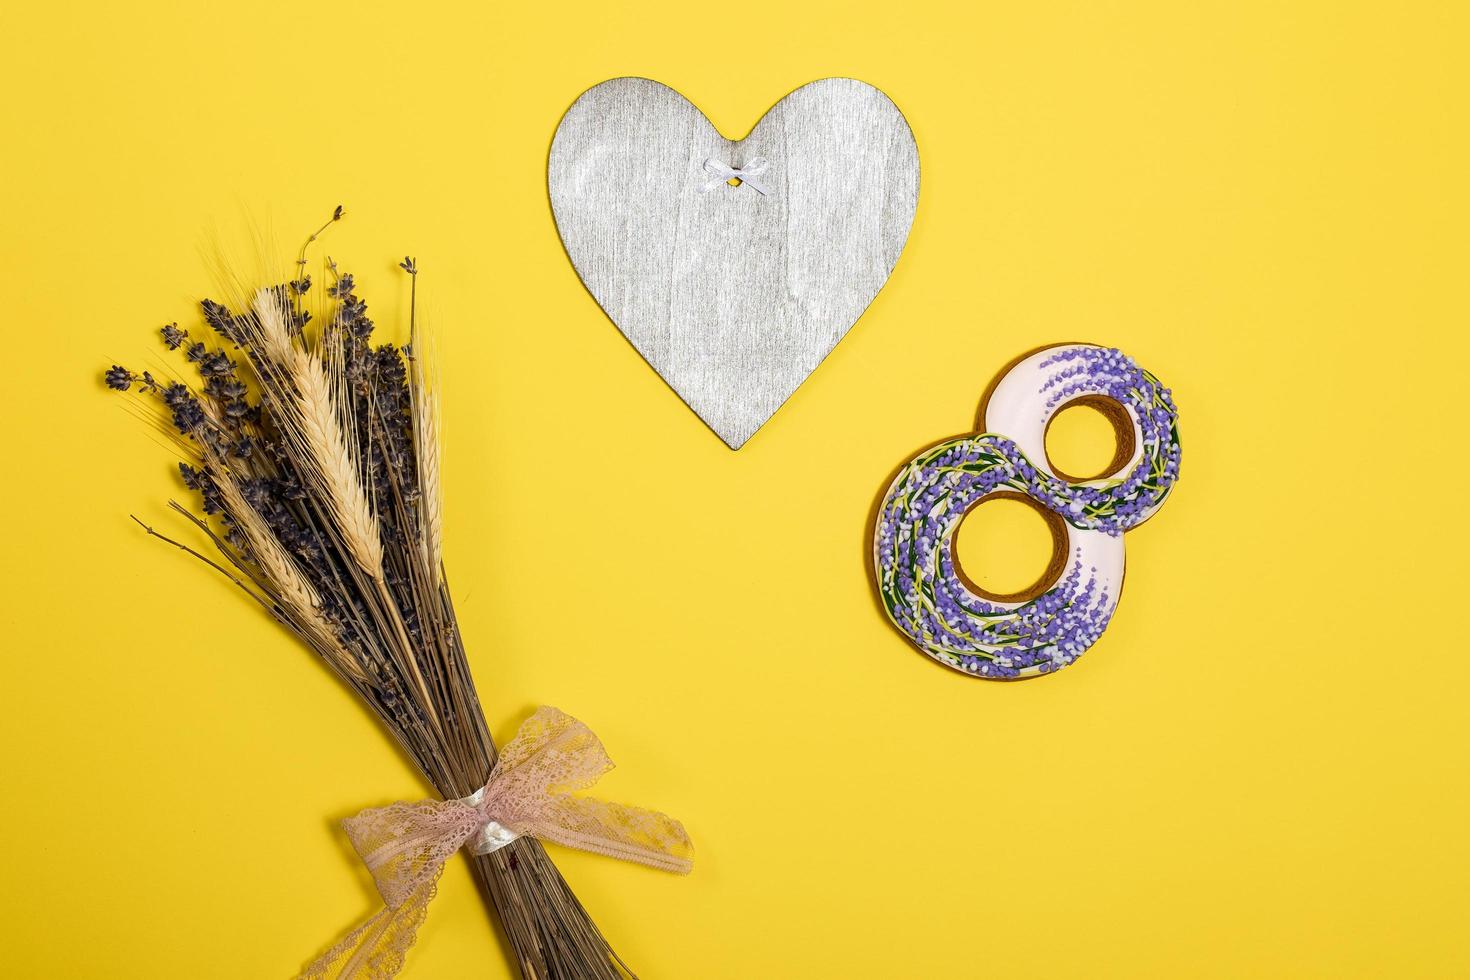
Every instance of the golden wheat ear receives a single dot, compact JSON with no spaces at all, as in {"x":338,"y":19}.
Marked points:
{"x":314,"y":423}
{"x":426,"y":447}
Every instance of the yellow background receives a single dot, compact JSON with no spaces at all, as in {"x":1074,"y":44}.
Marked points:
{"x":1259,"y":771}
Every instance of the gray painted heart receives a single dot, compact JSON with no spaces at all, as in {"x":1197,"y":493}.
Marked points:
{"x":734,"y":290}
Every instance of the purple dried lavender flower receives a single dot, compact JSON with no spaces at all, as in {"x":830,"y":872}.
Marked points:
{"x":118,"y":378}
{"x":173,"y":336}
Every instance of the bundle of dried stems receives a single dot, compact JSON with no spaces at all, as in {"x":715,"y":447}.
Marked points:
{"x":315,"y":454}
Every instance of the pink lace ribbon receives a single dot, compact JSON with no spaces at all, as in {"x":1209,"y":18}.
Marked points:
{"x":406,"y":845}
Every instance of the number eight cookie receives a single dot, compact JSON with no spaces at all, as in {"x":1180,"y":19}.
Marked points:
{"x":1046,"y":627}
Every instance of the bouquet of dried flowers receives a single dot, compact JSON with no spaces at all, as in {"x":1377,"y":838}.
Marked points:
{"x":316,"y":463}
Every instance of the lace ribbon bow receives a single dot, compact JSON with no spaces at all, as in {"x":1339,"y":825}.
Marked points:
{"x":406,"y":845}
{"x":721,"y":173}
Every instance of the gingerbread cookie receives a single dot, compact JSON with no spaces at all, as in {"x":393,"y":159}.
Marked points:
{"x":1047,"y":627}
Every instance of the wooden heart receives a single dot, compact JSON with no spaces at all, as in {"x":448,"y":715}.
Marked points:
{"x":734,"y":290}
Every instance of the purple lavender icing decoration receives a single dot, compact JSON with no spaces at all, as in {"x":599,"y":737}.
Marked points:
{"x":913,"y":542}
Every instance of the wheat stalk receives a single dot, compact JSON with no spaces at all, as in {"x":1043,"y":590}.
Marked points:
{"x":426,"y":449}
{"x":322,"y":431}
{"x":291,"y":588}
{"x":319,"y":431}
{"x":431,"y":504}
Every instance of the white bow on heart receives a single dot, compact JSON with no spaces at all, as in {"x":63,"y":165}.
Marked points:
{"x":724,"y":173}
